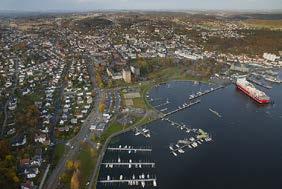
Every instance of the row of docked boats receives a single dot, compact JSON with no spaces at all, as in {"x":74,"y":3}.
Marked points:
{"x":190,"y":143}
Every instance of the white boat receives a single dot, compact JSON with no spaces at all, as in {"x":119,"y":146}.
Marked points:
{"x":137,"y":133}
{"x":177,"y":145}
{"x":170,"y":147}
{"x":145,"y":130}
{"x":175,"y":154}
{"x":108,"y":177}
{"x":143,"y":184}
{"x":154,"y":183}
{"x":181,"y":151}
{"x":194,"y":144}
{"x":120,"y":177}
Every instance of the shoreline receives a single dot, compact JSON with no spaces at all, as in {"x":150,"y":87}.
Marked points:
{"x":108,"y":140}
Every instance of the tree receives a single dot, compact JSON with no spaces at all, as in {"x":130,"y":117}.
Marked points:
{"x":76,"y":164}
{"x":70,"y":164}
{"x":75,"y":180}
{"x":102,"y":107}
{"x":110,"y":84}
{"x":8,"y":173}
{"x":30,"y":117}
{"x":4,"y":148}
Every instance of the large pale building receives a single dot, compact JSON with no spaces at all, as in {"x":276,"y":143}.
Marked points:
{"x":126,"y":75}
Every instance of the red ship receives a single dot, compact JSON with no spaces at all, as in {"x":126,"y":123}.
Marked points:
{"x":250,"y":90}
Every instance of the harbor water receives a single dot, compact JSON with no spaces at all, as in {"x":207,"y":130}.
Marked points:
{"x":245,"y":151}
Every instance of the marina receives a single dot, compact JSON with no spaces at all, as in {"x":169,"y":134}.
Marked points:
{"x":179,"y":146}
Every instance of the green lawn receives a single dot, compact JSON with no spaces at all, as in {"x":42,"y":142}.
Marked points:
{"x":139,"y":102}
{"x":87,"y":158}
{"x":113,"y":127}
{"x":59,"y":151}
{"x":171,"y":73}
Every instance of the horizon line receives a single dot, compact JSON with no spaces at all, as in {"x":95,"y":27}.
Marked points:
{"x":133,"y":10}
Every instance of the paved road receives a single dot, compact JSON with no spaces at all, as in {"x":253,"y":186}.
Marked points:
{"x":84,"y":134}
{"x":93,"y":118}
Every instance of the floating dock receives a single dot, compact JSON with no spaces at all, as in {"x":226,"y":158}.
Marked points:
{"x":215,"y":112}
{"x":163,"y":104}
{"x":191,"y":143}
{"x":199,"y":94}
{"x":132,"y":182}
{"x":259,"y":83}
{"x":144,"y":132}
{"x":184,"y":106}
{"x":129,"y":148}
{"x":128,"y":164}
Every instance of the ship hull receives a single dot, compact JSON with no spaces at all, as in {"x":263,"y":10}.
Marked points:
{"x":261,"y":101}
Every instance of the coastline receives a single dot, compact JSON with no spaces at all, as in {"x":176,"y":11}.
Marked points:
{"x":95,"y":175}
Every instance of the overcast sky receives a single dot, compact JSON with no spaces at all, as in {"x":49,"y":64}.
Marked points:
{"x":45,"y":5}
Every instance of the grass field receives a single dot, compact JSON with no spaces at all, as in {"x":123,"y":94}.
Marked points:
{"x":138,"y":102}
{"x":87,"y":158}
{"x":59,"y":151}
{"x":113,"y":127}
{"x":271,"y":24}
{"x":172,"y":73}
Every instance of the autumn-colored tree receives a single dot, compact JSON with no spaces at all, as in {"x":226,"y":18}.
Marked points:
{"x":75,"y":180}
{"x":102,"y":107}
{"x":76,"y":164}
{"x":4,"y":148}
{"x":30,"y":117}
{"x":8,"y":173}
{"x":65,"y":178}
{"x":70,"y":164}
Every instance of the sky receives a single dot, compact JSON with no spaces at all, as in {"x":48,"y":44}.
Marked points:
{"x":49,"y":5}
